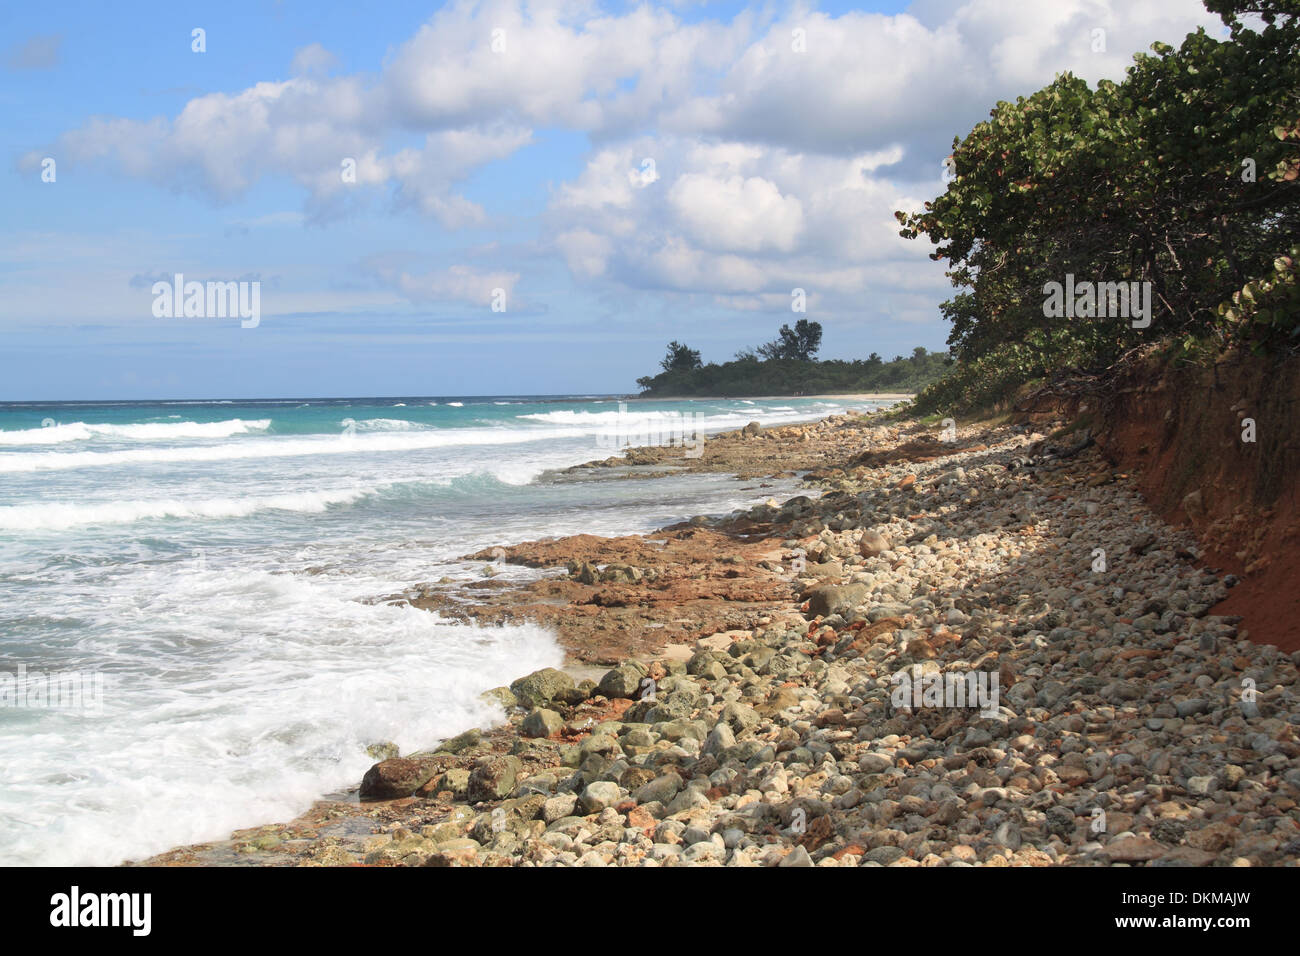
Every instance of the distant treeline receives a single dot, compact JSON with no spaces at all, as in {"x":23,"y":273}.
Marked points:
{"x":750,"y":375}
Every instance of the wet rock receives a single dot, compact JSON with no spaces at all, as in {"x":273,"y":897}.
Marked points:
{"x":383,"y":751}
{"x":470,"y":738}
{"x":501,"y":695}
{"x":493,"y":778}
{"x":455,"y":781}
{"x":395,"y":778}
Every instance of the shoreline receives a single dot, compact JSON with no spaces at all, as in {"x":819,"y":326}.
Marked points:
{"x":774,"y":737}
{"x":845,"y":396}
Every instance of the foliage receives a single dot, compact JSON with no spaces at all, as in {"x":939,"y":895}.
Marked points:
{"x":1146,"y":180}
{"x":788,"y":376}
{"x":801,"y":342}
{"x":679,"y":358}
{"x":1270,"y":304}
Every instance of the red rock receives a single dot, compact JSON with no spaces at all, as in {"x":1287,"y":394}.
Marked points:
{"x":639,"y":818}
{"x":820,"y":831}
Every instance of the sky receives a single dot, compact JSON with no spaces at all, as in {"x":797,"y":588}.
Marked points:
{"x":490,"y":198}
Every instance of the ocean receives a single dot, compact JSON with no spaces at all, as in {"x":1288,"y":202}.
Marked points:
{"x":185,"y":647}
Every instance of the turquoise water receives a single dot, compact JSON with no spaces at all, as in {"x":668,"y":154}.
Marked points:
{"x":206,"y":563}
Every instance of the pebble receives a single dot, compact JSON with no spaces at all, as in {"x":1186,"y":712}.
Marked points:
{"x":1119,"y":734}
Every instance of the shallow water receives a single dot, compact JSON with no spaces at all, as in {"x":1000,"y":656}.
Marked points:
{"x":208,"y":561}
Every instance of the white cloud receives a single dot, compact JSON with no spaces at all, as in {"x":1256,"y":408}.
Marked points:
{"x":734,"y":220}
{"x":460,"y":283}
{"x":313,"y":60}
{"x":736,"y":213}
{"x":769,"y":168}
{"x":585,"y":252}
{"x":456,"y":283}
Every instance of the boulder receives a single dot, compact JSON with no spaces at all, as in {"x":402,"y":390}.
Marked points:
{"x":621,"y":574}
{"x":493,"y":779}
{"x":623,"y":681}
{"x":542,"y":723}
{"x":836,"y":599}
{"x":394,"y":778}
{"x":796,"y":857}
{"x":1133,"y":849}
{"x":825,"y":571}
{"x":541,"y":687}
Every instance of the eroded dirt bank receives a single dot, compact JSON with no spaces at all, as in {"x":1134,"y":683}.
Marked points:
{"x":1215,"y":448}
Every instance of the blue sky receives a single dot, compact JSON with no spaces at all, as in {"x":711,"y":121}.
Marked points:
{"x":780,"y":137}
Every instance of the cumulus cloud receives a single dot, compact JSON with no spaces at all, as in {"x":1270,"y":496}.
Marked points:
{"x":556,"y":64}
{"x":746,"y":214}
{"x":787,"y":172}
{"x":734,"y":221}
{"x":736,"y":159}
{"x":862,"y":81}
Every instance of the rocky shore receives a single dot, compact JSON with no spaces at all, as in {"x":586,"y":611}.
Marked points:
{"x":979,"y":651}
